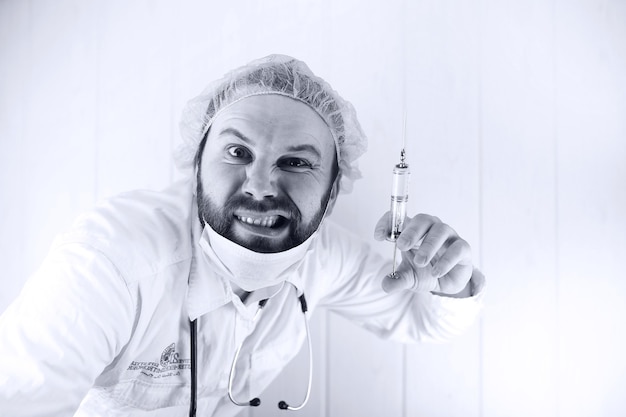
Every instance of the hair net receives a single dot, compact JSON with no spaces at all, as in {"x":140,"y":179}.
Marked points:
{"x":283,"y":75}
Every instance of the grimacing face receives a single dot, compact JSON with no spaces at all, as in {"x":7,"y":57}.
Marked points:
{"x":266,"y":173}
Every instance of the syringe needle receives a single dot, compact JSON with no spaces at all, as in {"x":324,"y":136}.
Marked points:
{"x":403,"y":129}
{"x":393,"y":269}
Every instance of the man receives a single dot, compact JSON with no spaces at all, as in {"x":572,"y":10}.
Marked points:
{"x":193,"y":298}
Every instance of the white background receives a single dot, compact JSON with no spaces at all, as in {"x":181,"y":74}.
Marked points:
{"x":516,"y":138}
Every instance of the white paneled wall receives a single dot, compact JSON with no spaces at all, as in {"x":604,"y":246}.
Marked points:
{"x":517,"y":138}
{"x":519,"y":208}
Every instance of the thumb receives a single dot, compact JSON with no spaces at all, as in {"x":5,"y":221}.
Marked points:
{"x":410,"y":278}
{"x":398,"y":282}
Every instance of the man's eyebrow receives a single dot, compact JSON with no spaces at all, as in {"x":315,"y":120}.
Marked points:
{"x":305,"y":147}
{"x":235,"y":132}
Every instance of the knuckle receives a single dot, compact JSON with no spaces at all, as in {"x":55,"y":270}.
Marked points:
{"x":406,"y":237}
{"x":423,"y":217}
{"x":442,"y":229}
{"x":462,"y":246}
{"x":426,"y":247}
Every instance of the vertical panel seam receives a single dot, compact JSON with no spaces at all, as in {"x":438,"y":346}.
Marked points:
{"x":97,"y":97}
{"x":405,"y":358}
{"x":404,"y":362}
{"x":27,"y":66}
{"x":174,"y":41}
{"x":557,"y":269}
{"x":481,"y":229}
{"x":325,"y":403}
{"x":324,"y":400}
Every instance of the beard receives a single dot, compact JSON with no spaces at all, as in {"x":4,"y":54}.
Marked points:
{"x":221,"y":219}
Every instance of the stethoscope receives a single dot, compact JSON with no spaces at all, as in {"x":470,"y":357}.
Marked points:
{"x":255,"y":401}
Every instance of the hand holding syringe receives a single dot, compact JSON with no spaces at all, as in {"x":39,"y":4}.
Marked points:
{"x":434,"y":257}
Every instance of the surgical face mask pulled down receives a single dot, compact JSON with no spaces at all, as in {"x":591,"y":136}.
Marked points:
{"x":247,"y":269}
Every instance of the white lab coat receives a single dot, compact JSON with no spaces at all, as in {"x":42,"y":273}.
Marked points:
{"x":102,"y":328}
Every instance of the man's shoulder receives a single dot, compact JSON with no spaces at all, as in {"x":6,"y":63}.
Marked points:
{"x":335,"y":237}
{"x":139,"y":228}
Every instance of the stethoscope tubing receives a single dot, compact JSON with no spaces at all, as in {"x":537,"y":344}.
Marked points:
{"x":194,"y":371}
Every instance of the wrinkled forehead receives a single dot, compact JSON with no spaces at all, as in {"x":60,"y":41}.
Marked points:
{"x":287,"y":120}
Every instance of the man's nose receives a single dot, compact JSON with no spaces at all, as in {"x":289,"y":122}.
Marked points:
{"x":260,"y":181}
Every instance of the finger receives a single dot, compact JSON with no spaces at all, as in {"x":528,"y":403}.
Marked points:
{"x":383,"y":227}
{"x":459,"y":252}
{"x":415,"y":230}
{"x":408,"y":278}
{"x":434,"y":240}
{"x":403,"y":279}
{"x":398,"y":282}
{"x":455,"y":280}
{"x":421,"y":278}
{"x":425,"y":281}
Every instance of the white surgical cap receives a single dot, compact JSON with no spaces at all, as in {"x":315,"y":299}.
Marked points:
{"x":283,"y":75}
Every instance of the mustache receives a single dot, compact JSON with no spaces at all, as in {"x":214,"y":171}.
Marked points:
{"x":278,"y":203}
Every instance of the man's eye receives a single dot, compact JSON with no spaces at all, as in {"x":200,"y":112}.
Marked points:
{"x":238,"y":152}
{"x":296,"y":163}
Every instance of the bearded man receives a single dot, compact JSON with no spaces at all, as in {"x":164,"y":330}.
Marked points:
{"x":193,"y":299}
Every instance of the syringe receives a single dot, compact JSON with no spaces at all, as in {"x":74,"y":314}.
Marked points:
{"x":399,"y":198}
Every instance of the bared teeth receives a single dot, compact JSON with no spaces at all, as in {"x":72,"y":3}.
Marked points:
{"x":269,"y":221}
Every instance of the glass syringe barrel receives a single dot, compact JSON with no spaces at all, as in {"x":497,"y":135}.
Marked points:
{"x":399,"y":198}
